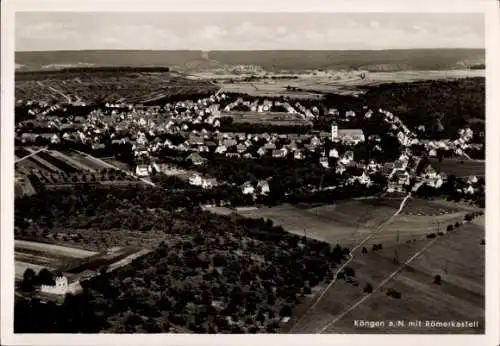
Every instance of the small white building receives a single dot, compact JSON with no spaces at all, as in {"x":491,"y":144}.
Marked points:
{"x":61,"y":286}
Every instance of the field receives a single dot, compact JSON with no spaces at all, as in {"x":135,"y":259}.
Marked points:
{"x":270,"y":118}
{"x":55,"y":169}
{"x":457,"y":256}
{"x":342,"y":83}
{"x":351,"y":221}
{"x":460,"y":168}
{"x":97,"y":86}
{"x":35,"y":255}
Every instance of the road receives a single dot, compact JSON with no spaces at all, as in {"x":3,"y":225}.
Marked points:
{"x":30,"y":155}
{"x":56,"y":91}
{"x":381,"y":284}
{"x":351,"y":257}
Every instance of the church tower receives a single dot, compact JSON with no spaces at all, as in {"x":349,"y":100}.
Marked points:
{"x":335,"y":131}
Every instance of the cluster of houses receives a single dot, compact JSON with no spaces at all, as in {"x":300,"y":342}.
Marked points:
{"x":147,"y":130}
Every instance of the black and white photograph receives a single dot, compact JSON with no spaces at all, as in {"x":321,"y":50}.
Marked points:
{"x":248,"y":172}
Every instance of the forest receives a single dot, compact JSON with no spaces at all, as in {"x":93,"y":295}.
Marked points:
{"x":210,"y":273}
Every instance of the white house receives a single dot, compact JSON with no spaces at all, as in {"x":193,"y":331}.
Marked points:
{"x":196,"y":180}
{"x":323,"y":161}
{"x":333,"y":153}
{"x":472,"y":180}
{"x":247,"y":188}
{"x":61,"y":286}
{"x":263,"y":187}
{"x":221,"y":149}
{"x":142,"y":170}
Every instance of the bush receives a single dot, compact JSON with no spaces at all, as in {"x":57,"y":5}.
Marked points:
{"x":364,"y":250}
{"x":349,"y":272}
{"x":449,"y":228}
{"x":368,"y":288}
{"x":437,"y":279}
{"x":440,"y":233}
{"x":431,"y":235}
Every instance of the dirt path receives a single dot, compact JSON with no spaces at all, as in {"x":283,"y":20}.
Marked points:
{"x":351,"y":257}
{"x":381,"y":284}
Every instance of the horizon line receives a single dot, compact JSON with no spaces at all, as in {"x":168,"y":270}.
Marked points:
{"x":246,"y":50}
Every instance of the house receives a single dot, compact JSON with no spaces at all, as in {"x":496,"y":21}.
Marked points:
{"x":364,"y":179}
{"x":196,"y":140}
{"x":372,"y":166}
{"x":241,"y":148}
{"x":351,"y":135}
{"x":340,"y":169}
{"x":196,"y":159}
{"x":247,"y":188}
{"x":333,"y":153}
{"x":269,"y":146}
{"x":60,"y":288}
{"x":262,"y":151}
{"x":472,"y":180}
{"x":315,"y":141}
{"x":323,"y":161}
{"x":142,"y":170}
{"x":402,"y":177}
{"x":233,"y":155}
{"x":263,"y":187}
{"x":196,"y":180}
{"x":469,"y":190}
{"x":280,"y":153}
{"x":221,"y":149}
{"x":347,"y":158}
{"x":299,"y":155}
{"x":55,"y":139}
{"x":432,"y":152}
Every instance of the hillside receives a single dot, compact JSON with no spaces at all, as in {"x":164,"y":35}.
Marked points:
{"x":380,"y":60}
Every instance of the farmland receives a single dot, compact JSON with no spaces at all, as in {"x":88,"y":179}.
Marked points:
{"x":95,"y":86}
{"x":36,"y":255}
{"x":55,"y":169}
{"x":457,"y":256}
{"x":349,"y":222}
{"x":309,"y":85}
{"x":270,"y":118}
{"x":460,"y":168}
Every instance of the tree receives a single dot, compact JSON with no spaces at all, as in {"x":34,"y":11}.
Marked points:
{"x":368,"y":288}
{"x":437,"y":279}
{"x":349,"y":271}
{"x":45,"y":277}
{"x":364,"y":250}
{"x":28,"y":282}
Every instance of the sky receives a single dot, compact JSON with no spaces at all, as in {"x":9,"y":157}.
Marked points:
{"x":40,"y":31}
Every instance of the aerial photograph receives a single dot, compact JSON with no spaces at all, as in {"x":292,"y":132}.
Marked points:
{"x":248,"y":173}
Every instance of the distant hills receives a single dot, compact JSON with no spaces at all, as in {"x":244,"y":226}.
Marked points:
{"x":371,"y":60}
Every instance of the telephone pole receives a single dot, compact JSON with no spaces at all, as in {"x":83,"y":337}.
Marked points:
{"x":396,"y":253}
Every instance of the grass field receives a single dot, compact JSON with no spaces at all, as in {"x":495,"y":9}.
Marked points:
{"x":457,"y":256}
{"x":349,"y":222}
{"x":343,"y":83}
{"x":460,"y":167}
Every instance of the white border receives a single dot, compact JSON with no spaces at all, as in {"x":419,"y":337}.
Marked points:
{"x":490,"y":8}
